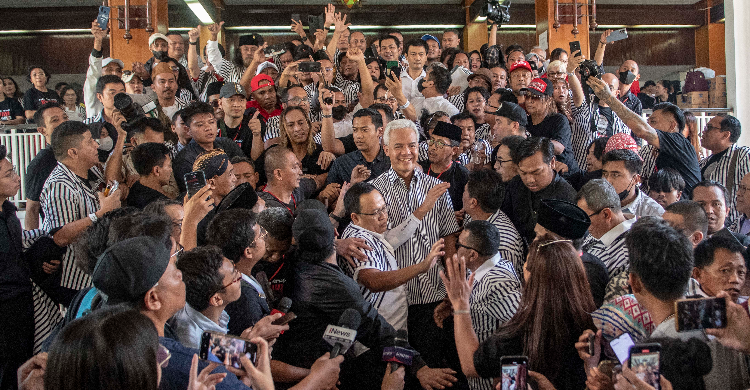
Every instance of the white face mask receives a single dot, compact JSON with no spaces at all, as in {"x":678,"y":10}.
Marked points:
{"x":105,"y":143}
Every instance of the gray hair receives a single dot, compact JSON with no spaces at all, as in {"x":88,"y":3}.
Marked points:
{"x":599,"y":195}
{"x":399,"y":124}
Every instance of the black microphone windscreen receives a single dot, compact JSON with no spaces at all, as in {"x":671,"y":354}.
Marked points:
{"x":285,"y":304}
{"x":122,"y":100}
{"x":350,"y":319}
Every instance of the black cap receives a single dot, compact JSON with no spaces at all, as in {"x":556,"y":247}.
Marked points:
{"x":129,"y":268}
{"x":214,"y":88}
{"x":563,"y":218}
{"x":313,"y":232}
{"x":251,"y":39}
{"x":241,"y":197}
{"x":447,"y":130}
{"x":513,"y":112}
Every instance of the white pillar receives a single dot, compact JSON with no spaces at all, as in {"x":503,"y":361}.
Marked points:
{"x":737,"y":47}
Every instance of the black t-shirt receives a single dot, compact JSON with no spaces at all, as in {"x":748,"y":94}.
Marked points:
{"x":10,"y":109}
{"x":38,"y":171}
{"x":457,"y":175}
{"x":277,"y":274}
{"x":140,"y":196}
{"x":606,"y":112}
{"x":557,"y":128}
{"x":34,"y":98}
{"x":310,"y":162}
{"x":348,"y":141}
{"x":676,"y":152}
{"x":242,"y":135}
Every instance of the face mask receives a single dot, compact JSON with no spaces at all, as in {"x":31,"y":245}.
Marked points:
{"x":338,"y":112}
{"x":105,"y":143}
{"x":627,"y":78}
{"x":624,"y":194}
{"x":160,"y":55}
{"x":420,"y":85}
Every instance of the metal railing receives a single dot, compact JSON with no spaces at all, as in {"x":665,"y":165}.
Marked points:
{"x":22,"y":148}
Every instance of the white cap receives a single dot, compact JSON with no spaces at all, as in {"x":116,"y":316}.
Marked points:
{"x":156,"y":36}
{"x":110,"y":60}
{"x":267,"y":64}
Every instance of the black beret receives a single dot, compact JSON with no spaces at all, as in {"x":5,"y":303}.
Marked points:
{"x":563,"y":218}
{"x":447,"y":130}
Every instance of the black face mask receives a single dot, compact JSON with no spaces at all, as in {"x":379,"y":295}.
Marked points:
{"x":627,"y":78}
{"x":160,"y":55}
{"x":624,"y":194}
{"x":339,"y":112}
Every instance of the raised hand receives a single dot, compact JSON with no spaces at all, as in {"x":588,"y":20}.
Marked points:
{"x":330,"y":11}
{"x":97,"y":31}
{"x":194,"y":34}
{"x":254,"y":124}
{"x":355,"y":54}
{"x":214,"y":30}
{"x":298,"y":28}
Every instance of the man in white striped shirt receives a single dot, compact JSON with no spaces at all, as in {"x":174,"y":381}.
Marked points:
{"x":491,"y":295}
{"x":420,"y":212}
{"x":728,"y":163}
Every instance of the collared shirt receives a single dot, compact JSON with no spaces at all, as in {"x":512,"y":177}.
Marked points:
{"x":719,"y":171}
{"x":643,"y":206}
{"x":68,"y":198}
{"x":632,"y":102}
{"x":341,"y":169}
{"x":392,"y":304}
{"x":226,"y":69}
{"x":409,"y":85}
{"x":350,"y":88}
{"x":432,"y":105}
{"x":189,"y":324}
{"x":438,"y":222}
{"x":610,"y":248}
{"x":511,"y":243}
{"x":586,"y":118}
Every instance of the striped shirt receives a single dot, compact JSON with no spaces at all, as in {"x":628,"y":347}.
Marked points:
{"x":312,"y":97}
{"x":348,"y":87}
{"x":610,"y":248}
{"x":65,"y":199}
{"x":463,"y":158}
{"x":226,"y":69}
{"x":585,"y":119}
{"x":719,"y":171}
{"x":458,"y":101}
{"x":494,"y":300}
{"x":438,"y":222}
{"x":648,"y":153}
{"x":511,"y":243}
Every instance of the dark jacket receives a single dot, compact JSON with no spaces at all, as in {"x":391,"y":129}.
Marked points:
{"x":321,"y":293}
{"x":15,"y":274}
{"x":246,"y":311}
{"x":183,"y":162}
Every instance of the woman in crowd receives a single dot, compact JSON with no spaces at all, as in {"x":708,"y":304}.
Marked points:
{"x":665,"y":186}
{"x":10,"y":88}
{"x":11,"y":111}
{"x":692,"y":133}
{"x":476,"y":100}
{"x":38,"y":94}
{"x":594,"y":155}
{"x":561,"y":94}
{"x":545,"y":328}
{"x":72,"y":104}
{"x":475,"y":60}
{"x":448,"y":55}
{"x":297,"y":134}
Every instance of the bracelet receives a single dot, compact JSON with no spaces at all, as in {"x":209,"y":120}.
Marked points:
{"x":193,"y":43}
{"x":461,"y":312}
{"x":327,"y":116}
{"x":408,"y":103}
{"x":603,"y":43}
{"x":93,"y":217}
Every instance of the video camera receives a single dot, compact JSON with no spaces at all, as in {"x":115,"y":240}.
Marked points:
{"x":497,"y":11}
{"x":589,"y":68}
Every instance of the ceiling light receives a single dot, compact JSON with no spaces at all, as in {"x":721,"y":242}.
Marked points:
{"x":199,"y":11}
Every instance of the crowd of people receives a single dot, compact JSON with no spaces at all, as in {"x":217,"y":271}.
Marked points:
{"x":485,"y":204}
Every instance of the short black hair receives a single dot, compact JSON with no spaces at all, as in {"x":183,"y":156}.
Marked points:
{"x":713,"y":183}
{"x":512,"y":142}
{"x":732,"y":125}
{"x":441,"y":76}
{"x":160,"y":206}
{"x":94,"y":240}
{"x":666,"y":180}
{"x":60,"y":85}
{"x":661,"y":257}
{"x":31,"y":68}
{"x":139,"y":126}
{"x":107,"y":79}
{"x":416,"y":42}
{"x":486,"y":187}
{"x":177,"y":114}
{"x":390,"y":36}
{"x":353,"y":196}
{"x":39,"y":114}
{"x":371,"y":113}
{"x":481,"y":90}
{"x":530,"y":146}
{"x":464,"y":115}
{"x":232,"y":231}
{"x":512,"y":48}
{"x":630,"y":159}
{"x":483,"y":237}
{"x":705,"y":251}
{"x":200,"y":272}
{"x":129,"y":225}
{"x":148,"y":155}
{"x":239,"y":159}
{"x":386,"y":109}
{"x":194,"y":109}
{"x":693,"y":215}
{"x":173,"y":33}
{"x":67,"y":136}
{"x":676,"y":112}
{"x":555,"y":54}
{"x":278,"y":223}
{"x":599,"y":145}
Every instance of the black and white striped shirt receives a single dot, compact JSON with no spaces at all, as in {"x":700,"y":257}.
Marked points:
{"x":458,"y":101}
{"x":584,"y":117}
{"x":719,"y":171}
{"x":494,"y":300}
{"x":348,"y":87}
{"x":610,"y":248}
{"x":511,"y":243}
{"x":438,"y":222}
{"x":65,"y":199}
{"x":224,"y":68}
{"x":649,"y":154}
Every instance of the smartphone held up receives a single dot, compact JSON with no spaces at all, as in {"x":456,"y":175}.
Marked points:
{"x":226,"y":350}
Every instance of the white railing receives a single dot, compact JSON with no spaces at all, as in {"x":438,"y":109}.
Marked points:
{"x":22,"y":147}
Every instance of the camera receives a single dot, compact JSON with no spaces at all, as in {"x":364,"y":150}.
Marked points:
{"x":497,"y":11}
{"x":589,"y":68}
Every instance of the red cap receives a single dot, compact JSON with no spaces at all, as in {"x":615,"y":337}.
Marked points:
{"x":519,"y":64}
{"x":539,"y":87}
{"x":621,"y":141}
{"x":257,"y":80}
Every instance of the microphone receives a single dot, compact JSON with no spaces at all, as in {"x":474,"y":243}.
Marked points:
{"x":400,"y":354}
{"x":342,"y":337}
{"x":284,"y":305}
{"x":262,"y":279}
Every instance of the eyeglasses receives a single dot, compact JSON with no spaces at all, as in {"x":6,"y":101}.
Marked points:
{"x":501,"y":162}
{"x":297,"y":100}
{"x":237,"y":276}
{"x":596,"y":213}
{"x":708,"y":128}
{"x":384,"y":99}
{"x":436,"y":142}
{"x":378,"y":212}
{"x":178,"y":252}
{"x":460,"y":245}
{"x":175,"y":68}
{"x":127,"y":72}
{"x":261,"y":236}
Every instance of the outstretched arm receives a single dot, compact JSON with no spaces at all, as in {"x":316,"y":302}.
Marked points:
{"x":635,"y":122}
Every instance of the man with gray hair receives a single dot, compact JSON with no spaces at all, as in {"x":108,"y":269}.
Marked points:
{"x":609,"y":227}
{"x":420,"y":213}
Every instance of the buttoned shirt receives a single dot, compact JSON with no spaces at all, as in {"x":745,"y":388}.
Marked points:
{"x":719,"y":171}
{"x":432,"y":105}
{"x":511,"y":243}
{"x":341,"y":169}
{"x":610,"y":248}
{"x":410,"y":86}
{"x":586,"y":119}
{"x":189,"y":324}
{"x":643,"y":206}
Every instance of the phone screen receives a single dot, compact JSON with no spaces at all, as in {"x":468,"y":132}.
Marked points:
{"x":227,"y":350}
{"x":514,"y":375}
{"x":393,"y":67}
{"x":103,"y":17}
{"x":194,"y":181}
{"x":702,"y":313}
{"x":645,"y":364}
{"x":621,"y":347}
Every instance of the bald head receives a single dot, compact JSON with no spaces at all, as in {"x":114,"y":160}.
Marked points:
{"x":612,"y":81}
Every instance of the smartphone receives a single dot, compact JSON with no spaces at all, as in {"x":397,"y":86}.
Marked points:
{"x":296,"y":18}
{"x":103,"y":17}
{"x":315,"y":23}
{"x":514,"y":369}
{"x":592,"y":344}
{"x":274,"y":50}
{"x":644,"y":361}
{"x":617,"y":35}
{"x":283,"y":320}
{"x":309,"y":66}
{"x":575,"y":46}
{"x":227,"y":350}
{"x":194,"y":181}
{"x":607,"y":367}
{"x":111,"y":187}
{"x":621,"y":347}
{"x":393,"y":67}
{"x":700,"y":313}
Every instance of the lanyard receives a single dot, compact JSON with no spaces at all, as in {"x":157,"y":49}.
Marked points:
{"x":441,"y":173}
{"x":284,"y":204}
{"x":224,"y":130}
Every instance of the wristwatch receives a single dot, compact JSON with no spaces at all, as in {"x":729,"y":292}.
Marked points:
{"x":193,"y":43}
{"x":303,"y":38}
{"x":93,"y":217}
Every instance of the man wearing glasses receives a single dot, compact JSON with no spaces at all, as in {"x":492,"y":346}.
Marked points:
{"x":728,"y":162}
{"x":444,"y":144}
